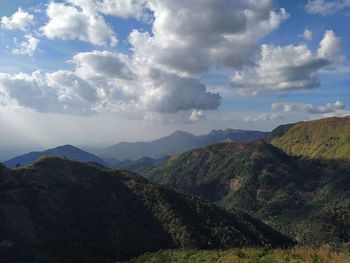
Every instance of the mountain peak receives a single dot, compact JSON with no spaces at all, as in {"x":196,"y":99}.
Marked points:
{"x":66,"y":151}
{"x":180,"y":133}
{"x":67,"y":146}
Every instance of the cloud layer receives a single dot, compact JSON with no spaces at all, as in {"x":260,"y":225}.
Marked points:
{"x":325,"y":8}
{"x":309,"y":108}
{"x":163,"y":72}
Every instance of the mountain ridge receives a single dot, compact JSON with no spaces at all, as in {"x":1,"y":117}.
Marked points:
{"x":175,"y":143}
{"x":67,"y":151}
{"x":327,"y":138}
{"x":57,"y":210}
{"x":295,"y":195}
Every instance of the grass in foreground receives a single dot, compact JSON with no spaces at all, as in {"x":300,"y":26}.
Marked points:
{"x":246,"y":255}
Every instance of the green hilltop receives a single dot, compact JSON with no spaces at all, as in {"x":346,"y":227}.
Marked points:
{"x":327,"y":138}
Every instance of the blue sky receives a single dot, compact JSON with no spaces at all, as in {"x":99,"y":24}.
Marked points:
{"x":140,"y":69}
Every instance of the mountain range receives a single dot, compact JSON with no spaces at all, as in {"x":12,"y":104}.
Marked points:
{"x":57,"y":210}
{"x":175,"y":143}
{"x":301,"y":195}
{"x":238,"y":190}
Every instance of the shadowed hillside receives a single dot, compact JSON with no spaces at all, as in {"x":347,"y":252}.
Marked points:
{"x":58,"y":210}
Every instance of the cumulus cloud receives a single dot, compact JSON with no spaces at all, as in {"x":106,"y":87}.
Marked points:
{"x":330,"y":47}
{"x":105,"y":81}
{"x":309,"y":108}
{"x":163,"y":73}
{"x":103,"y":64}
{"x":19,"y":20}
{"x":325,"y":8}
{"x":27,"y":47}
{"x":68,"y":22}
{"x":126,"y":81}
{"x":124,"y":9}
{"x":220,"y":33}
{"x":169,"y":93}
{"x":288,"y":67}
{"x":59,"y":92}
{"x":197,"y":115}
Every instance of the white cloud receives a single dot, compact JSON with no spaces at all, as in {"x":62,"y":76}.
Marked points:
{"x":59,"y":92}
{"x":124,"y":9}
{"x":103,"y":64}
{"x":330,"y":47}
{"x":309,"y":108}
{"x":325,"y":8}
{"x":197,"y":115}
{"x":169,"y":93}
{"x":307,"y":35}
{"x":19,"y":20}
{"x":27,"y":47}
{"x":69,"y":22}
{"x":106,"y":81}
{"x":162,"y":75}
{"x":289,"y":67}
{"x":219,"y":33}
{"x":263,"y":117}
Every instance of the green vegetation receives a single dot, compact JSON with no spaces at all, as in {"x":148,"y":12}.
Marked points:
{"x":326,"y":138}
{"x":57,"y":210}
{"x":306,"y":199}
{"x":295,"y":255}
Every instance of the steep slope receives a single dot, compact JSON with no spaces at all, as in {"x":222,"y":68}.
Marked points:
{"x":306,"y":199}
{"x":279,"y":131}
{"x":66,"y":151}
{"x":58,"y":210}
{"x":175,"y":143}
{"x":325,"y":138}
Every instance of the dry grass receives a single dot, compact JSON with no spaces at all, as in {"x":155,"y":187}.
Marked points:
{"x":246,"y":255}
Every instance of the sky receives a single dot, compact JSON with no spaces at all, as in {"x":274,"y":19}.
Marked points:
{"x":97,"y":72}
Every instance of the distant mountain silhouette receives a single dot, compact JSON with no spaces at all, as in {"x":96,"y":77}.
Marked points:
{"x":66,"y":151}
{"x":175,"y":143}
